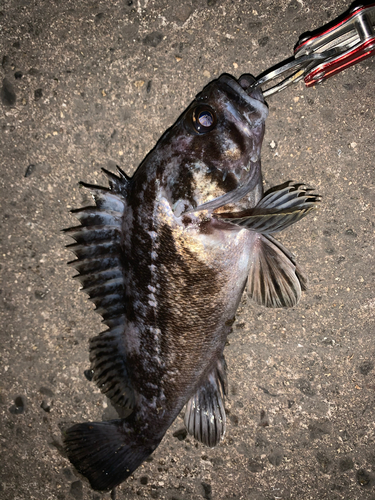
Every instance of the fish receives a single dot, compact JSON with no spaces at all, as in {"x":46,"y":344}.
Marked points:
{"x":165,"y":256}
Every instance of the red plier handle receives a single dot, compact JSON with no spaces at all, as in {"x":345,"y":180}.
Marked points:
{"x":354,"y":34}
{"x":327,"y":51}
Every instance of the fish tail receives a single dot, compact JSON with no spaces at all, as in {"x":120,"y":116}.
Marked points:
{"x":106,"y":453}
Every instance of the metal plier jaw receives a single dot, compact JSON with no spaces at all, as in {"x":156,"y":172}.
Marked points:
{"x":320,"y":55}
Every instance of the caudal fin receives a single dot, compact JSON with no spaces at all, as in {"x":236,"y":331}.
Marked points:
{"x":106,"y":453}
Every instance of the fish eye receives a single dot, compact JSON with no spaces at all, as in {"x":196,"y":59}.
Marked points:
{"x":204,"y":119}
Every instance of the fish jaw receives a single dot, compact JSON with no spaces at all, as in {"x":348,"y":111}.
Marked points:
{"x":257,"y":111}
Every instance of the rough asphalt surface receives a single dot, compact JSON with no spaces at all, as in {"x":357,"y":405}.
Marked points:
{"x":91,"y":84}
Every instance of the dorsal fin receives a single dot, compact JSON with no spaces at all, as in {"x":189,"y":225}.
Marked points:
{"x":118,"y":184}
{"x":108,"y":362}
{"x":98,"y":247}
{"x":205,"y":413}
{"x":100,"y":264}
{"x":122,"y":173}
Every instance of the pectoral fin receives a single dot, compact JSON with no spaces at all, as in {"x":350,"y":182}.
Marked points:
{"x":275,"y":279}
{"x":205,"y":414}
{"x":279,"y":208}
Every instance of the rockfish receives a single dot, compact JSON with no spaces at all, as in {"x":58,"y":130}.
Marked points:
{"x":165,"y":256}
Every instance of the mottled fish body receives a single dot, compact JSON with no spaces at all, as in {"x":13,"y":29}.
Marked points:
{"x":165,"y":257}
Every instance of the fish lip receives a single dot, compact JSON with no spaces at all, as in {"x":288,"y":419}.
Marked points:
{"x":246,"y":80}
{"x":254,"y":98}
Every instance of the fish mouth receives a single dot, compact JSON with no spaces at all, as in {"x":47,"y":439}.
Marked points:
{"x":246,"y":80}
{"x":252,"y":96}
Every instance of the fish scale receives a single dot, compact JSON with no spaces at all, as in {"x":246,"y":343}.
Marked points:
{"x":165,"y":256}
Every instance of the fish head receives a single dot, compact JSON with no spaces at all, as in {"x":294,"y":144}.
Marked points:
{"x":218,"y":139}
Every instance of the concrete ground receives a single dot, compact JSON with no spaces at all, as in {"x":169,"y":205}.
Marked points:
{"x":91,"y":84}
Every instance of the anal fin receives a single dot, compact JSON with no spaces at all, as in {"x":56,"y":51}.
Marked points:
{"x":205,"y":413}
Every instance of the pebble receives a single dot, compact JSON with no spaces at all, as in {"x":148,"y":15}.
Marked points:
{"x":68,"y":473}
{"x":180,"y":434}
{"x":318,"y":429}
{"x":46,"y":391}
{"x":264,"y":421}
{"x":99,"y":17}
{"x":364,"y":478}
{"x":89,"y":374}
{"x":38,"y":94}
{"x":254,"y":466}
{"x":182,"y":12}
{"x":346,"y":463}
{"x":5,"y":63}
{"x":46,"y":405}
{"x":76,"y":490}
{"x":29,"y":170}
{"x":7,"y":93}
{"x":19,"y":405}
{"x":324,"y":461}
{"x":207,"y":490}
{"x":366,"y":367}
{"x":276,"y":457}
{"x":263,"y":41}
{"x":153,"y":39}
{"x":304,"y":386}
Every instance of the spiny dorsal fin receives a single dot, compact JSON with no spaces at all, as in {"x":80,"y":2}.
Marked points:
{"x":100,"y":260}
{"x":118,"y":184}
{"x":205,"y":413}
{"x":100,"y":264}
{"x":123,"y":174}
